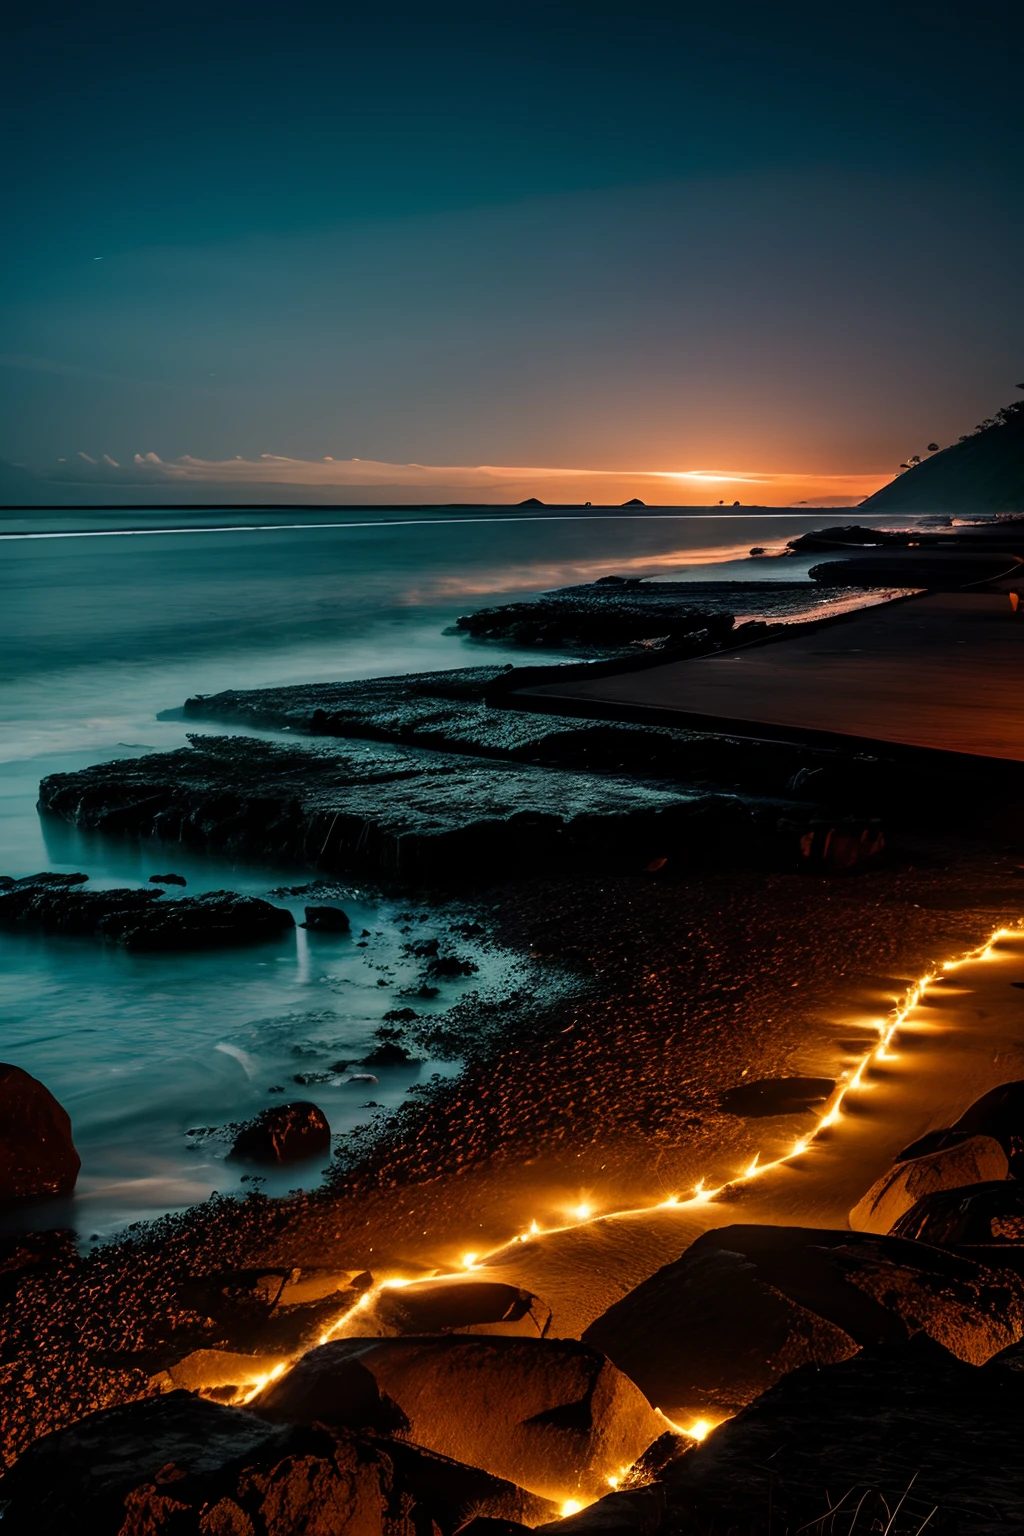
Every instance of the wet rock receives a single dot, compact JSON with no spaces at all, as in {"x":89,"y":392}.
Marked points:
{"x":982,"y":1214}
{"x":747,"y":1304}
{"x":602,"y":618}
{"x":449,"y":966}
{"x":327,"y":920}
{"x":388,"y":1054}
{"x":285,"y":1133}
{"x":974,"y":1160}
{"x":391,"y":812}
{"x":777,"y":1096}
{"x":178,"y":1463}
{"x":456,"y":1306}
{"x":167,"y":880}
{"x":553,"y":1417}
{"x":843,"y":848}
{"x":139,"y":919}
{"x":37,"y":1153}
{"x":863,"y":1430}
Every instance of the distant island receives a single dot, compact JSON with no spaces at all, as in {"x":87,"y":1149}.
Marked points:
{"x":983,"y":472}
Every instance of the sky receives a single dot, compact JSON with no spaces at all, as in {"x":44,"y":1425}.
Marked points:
{"x":576,"y":251}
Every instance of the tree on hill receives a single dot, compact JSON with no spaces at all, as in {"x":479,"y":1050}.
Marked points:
{"x":983,"y":472}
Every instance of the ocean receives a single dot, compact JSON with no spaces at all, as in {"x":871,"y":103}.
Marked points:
{"x":108,"y":619}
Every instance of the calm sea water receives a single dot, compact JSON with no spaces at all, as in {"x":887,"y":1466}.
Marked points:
{"x":101,"y":628}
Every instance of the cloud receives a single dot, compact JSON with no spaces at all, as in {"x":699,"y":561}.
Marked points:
{"x":270,"y":474}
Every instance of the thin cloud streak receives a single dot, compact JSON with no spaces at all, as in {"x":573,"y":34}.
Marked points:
{"x":502,"y":482}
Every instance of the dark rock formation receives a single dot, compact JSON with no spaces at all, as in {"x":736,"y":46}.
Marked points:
{"x":974,"y":1160}
{"x":177,"y":1464}
{"x":37,"y":1154}
{"x":604,"y":618}
{"x":555,"y":1417}
{"x":985,"y":1213}
{"x":285,"y":1133}
{"x":777,"y":1096}
{"x":746,"y":1305}
{"x":390,"y":811}
{"x":167,"y":880}
{"x":456,"y":1306}
{"x":132,"y":917}
{"x":632,"y":1512}
{"x":327,"y":920}
{"x":911,"y":1423}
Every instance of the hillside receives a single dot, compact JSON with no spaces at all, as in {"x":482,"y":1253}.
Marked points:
{"x":983,"y":472}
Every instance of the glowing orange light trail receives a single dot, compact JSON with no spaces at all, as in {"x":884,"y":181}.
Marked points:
{"x":585,"y":1216}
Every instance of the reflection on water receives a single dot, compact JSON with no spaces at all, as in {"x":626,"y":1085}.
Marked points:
{"x":97,"y":635}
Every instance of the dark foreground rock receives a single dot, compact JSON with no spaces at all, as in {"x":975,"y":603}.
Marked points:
{"x":139,"y":919}
{"x":912,"y":1424}
{"x":552,"y":1416}
{"x":391,"y":811}
{"x":178,"y":1464}
{"x":982,"y":1214}
{"x":284,"y":1133}
{"x":37,"y":1153}
{"x":747,"y":1304}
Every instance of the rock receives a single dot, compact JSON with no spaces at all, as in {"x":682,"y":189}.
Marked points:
{"x":998,"y":1113}
{"x":710,"y":1333}
{"x":284,"y":1133}
{"x":456,"y":1306}
{"x":37,"y":1154}
{"x":863,"y":1429}
{"x":327,"y":920}
{"x":843,"y":848}
{"x":974,"y":1160}
{"x":980,"y":1214}
{"x":179,"y":1464}
{"x":388,"y":811}
{"x":167,"y":880}
{"x":633,"y":1512}
{"x":448,"y":966}
{"x":554,"y":1417}
{"x":777,"y":1096}
{"x":139,"y":919}
{"x":747,"y":1304}
{"x":388,"y":1054}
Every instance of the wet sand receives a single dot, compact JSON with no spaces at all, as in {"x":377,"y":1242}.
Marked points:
{"x":942,"y":671}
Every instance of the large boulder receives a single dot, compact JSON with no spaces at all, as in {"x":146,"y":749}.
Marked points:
{"x":178,"y":1463}
{"x":975,"y":1160}
{"x":37,"y":1154}
{"x":745,"y":1305}
{"x":455,"y":1306}
{"x":998,"y":1113}
{"x":284,"y":1133}
{"x":990,"y":1213}
{"x":908,"y":1426}
{"x":554,"y":1417}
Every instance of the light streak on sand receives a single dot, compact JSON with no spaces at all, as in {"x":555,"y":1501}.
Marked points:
{"x":585,"y":1215}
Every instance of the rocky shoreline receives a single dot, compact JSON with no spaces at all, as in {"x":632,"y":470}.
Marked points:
{"x":851,"y":1362}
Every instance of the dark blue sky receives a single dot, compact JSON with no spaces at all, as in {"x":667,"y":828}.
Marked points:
{"x":617,"y":235}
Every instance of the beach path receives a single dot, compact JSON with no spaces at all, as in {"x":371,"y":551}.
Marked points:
{"x":942,"y":671}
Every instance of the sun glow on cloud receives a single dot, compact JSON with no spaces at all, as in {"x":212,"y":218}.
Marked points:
{"x":375,"y":479}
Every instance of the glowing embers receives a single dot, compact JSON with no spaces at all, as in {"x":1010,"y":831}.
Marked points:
{"x":570,"y":1507}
